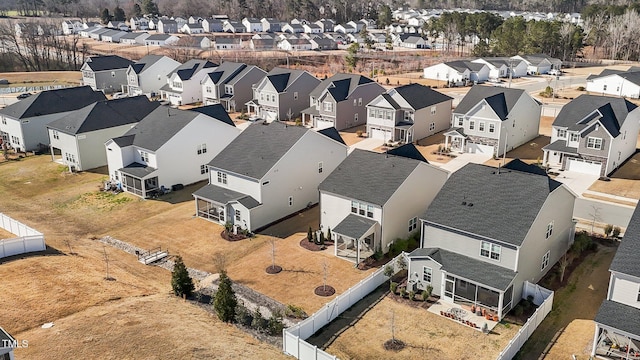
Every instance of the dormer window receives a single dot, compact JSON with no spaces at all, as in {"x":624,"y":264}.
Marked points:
{"x":562,"y":134}
{"x":574,"y":137}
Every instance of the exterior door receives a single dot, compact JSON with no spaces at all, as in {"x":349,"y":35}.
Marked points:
{"x":449,"y":287}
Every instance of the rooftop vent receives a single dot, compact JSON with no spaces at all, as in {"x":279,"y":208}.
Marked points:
{"x":464,"y":203}
{"x":469,"y":204}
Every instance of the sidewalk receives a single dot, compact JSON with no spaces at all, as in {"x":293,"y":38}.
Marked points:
{"x":609,"y":196}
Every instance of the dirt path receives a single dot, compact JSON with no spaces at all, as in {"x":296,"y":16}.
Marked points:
{"x":579,"y":299}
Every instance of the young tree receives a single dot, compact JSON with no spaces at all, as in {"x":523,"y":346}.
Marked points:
{"x":310,"y":234}
{"x":329,"y":236}
{"x":225,"y":300}
{"x":181,"y":282}
{"x":351,"y":59}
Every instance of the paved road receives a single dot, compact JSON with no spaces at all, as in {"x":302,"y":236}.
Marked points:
{"x":604,"y":212}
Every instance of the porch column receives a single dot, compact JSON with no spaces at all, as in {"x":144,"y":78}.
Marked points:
{"x":500,"y":304}
{"x":357,"y":251}
{"x":545,"y":157}
{"x":446,"y":141}
{"x":197,"y":209}
{"x":596,"y":338}
{"x":53,"y":158}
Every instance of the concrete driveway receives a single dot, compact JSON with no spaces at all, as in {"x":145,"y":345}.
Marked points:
{"x":463,"y":159}
{"x":367,"y":144}
{"x":577,"y":182}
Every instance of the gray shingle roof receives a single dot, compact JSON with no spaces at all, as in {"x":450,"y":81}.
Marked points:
{"x":612,"y":112}
{"x":340,"y":85}
{"x":560,"y":145}
{"x":105,"y":114}
{"x":145,"y":63}
{"x":226,"y":71}
{"x":502,"y":206}
{"x":53,"y":102}
{"x":107,"y":62}
{"x":420,"y":96}
{"x":282,"y":78}
{"x":477,"y":271}
{"x":501,"y":100}
{"x":186,"y":70}
{"x":626,"y":258}
{"x":369,"y":176}
{"x":138,"y":170}
{"x":158,"y":37}
{"x":408,"y":151}
{"x":224,"y":196}
{"x":134,"y":35}
{"x":619,"y":316}
{"x":332,"y":133}
{"x":354,"y":226}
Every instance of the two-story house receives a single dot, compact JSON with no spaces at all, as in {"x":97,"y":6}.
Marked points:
{"x":106,"y":73}
{"x":488,"y":231}
{"x":231,"y":85}
{"x":408,"y":113}
{"x":166,"y":26}
{"x":593,"y":134}
{"x":183,"y":84}
{"x":253,"y":186}
{"x":493,"y":120}
{"x":616,"y":83}
{"x":282,"y":94}
{"x":139,"y":23}
{"x":252,"y":25}
{"x":78,"y":137}
{"x":212,"y":25}
{"x":372,"y":198}
{"x":539,"y":63}
{"x":617,"y":334}
{"x":23,"y":125}
{"x":168,"y":147}
{"x":271,"y":25}
{"x":149,"y":74}
{"x":340,"y":101}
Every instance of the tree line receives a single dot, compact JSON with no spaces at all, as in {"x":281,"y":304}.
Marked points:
{"x":611,"y":31}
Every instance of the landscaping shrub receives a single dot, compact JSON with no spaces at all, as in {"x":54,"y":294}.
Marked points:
{"x":225,"y":302}
{"x":582,"y":242}
{"x":518,"y":310}
{"x":275,"y":325}
{"x":310,"y":234}
{"x":258,"y":323}
{"x":393,"y":286}
{"x":429,"y":291}
{"x":295,"y":311}
{"x":412,"y":295}
{"x":243,"y":316}
{"x":403,"y":292}
{"x":378,"y":254}
{"x":608,"y":229}
{"x":388,"y":270}
{"x":581,"y":88}
{"x":181,"y":282}
{"x":616,"y":232}
{"x":425,"y":295}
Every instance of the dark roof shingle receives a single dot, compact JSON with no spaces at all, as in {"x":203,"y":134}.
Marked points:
{"x":53,"y":102}
{"x":501,"y":100}
{"x":626,"y":259}
{"x":107,"y":62}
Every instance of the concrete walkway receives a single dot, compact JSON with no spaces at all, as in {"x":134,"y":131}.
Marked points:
{"x":577,"y":182}
{"x":612,"y":197}
{"x":366,"y":144}
{"x":463,"y":159}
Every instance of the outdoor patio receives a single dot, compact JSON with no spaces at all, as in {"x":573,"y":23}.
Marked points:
{"x":461,"y":315}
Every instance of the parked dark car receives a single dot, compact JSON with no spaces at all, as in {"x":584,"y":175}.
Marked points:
{"x":23,"y":96}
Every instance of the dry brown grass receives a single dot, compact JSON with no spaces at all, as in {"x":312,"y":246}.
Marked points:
{"x":429,"y":145}
{"x":608,"y":199}
{"x":576,"y":339}
{"x":5,"y":234}
{"x":64,"y":77}
{"x":531,"y":152}
{"x":619,"y":187}
{"x":350,"y":136}
{"x":428,"y":336}
{"x":153,"y":327}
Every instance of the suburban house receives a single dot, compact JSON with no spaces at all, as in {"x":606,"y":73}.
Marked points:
{"x":271,"y":25}
{"x":195,"y":20}
{"x":149,"y":74}
{"x":488,"y":231}
{"x":408,"y":113}
{"x":294,"y":44}
{"x":227,"y":43}
{"x":252,"y":25}
{"x":498,"y":68}
{"x":293,"y":28}
{"x":539,"y":63}
{"x":458,"y":72}
{"x":192,"y":29}
{"x":168,"y":147}
{"x":134,"y":38}
{"x":113,"y":36}
{"x":233,"y":26}
{"x":593,"y":134}
{"x":323,"y":44}
{"x":312,"y":28}
{"x":493,"y":120}
{"x":231,"y":85}
{"x":616,"y":83}
{"x":139,"y":23}
{"x":344,"y":29}
{"x":617,"y":333}
{"x":340,"y":101}
{"x":70,"y":27}
{"x":167,"y":26}
{"x":118,"y":25}
{"x":373,"y":198}
{"x":74,"y":136}
{"x":263,"y":43}
{"x":7,"y":344}
{"x":256,"y":189}
{"x":161,"y":40}
{"x":105,"y":73}
{"x":23,"y":125}
{"x":202,"y":42}
{"x":183,"y":84}
{"x":212,"y":25}
{"x":325,"y":25}
{"x":282,"y":94}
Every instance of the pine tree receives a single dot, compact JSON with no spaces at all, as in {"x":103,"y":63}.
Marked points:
{"x":118,"y":14}
{"x":105,"y":16}
{"x":181,"y":282}
{"x":137,"y":10}
{"x":149,"y":7}
{"x":225,"y":300}
{"x":310,"y":234}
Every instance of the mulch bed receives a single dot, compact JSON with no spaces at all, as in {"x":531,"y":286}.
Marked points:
{"x":232,"y":236}
{"x":323,"y":290}
{"x":311,"y":246}
{"x":371,"y":262}
{"x":394,"y":345}
{"x":273,"y":269}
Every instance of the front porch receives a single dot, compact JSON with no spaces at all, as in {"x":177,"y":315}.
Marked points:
{"x":556,"y":154}
{"x":455,"y":140}
{"x":138,"y":179}
{"x":355,"y":238}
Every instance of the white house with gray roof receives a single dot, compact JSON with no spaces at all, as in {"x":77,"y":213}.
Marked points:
{"x":160,"y":40}
{"x":184,"y":83}
{"x":168,"y":147}
{"x":105,"y":73}
{"x":134,"y":38}
{"x":617,"y":333}
{"x":539,"y":63}
{"x":371,"y":199}
{"x":493,"y":120}
{"x":23,"y":125}
{"x":340,"y":101}
{"x":488,"y":231}
{"x":408,"y":113}
{"x":615,"y":83}
{"x":149,"y":74}
{"x":77,"y":139}
{"x":593,"y":134}
{"x":231,"y":85}
{"x":268,"y":172}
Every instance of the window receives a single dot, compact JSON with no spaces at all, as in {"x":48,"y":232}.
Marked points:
{"x":363,"y":209}
{"x":261,"y":96}
{"x":202,"y":149}
{"x":4,"y":121}
{"x":327,"y":106}
{"x":472,"y":124}
{"x":355,"y":102}
{"x":433,"y":110}
{"x":549,"y":230}
{"x":359,"y":101}
{"x":222,"y":177}
{"x":56,"y":135}
{"x":320,"y":167}
{"x":113,"y":74}
{"x":432,"y":126}
{"x":426,"y":274}
{"x":491,"y":251}
{"x":177,"y":84}
{"x":290,"y":200}
{"x":604,"y":88}
{"x":387,"y":115}
{"x":372,"y":113}
{"x":295,"y":95}
{"x":481,"y":126}
{"x":369,"y":211}
{"x":144,"y":156}
{"x":594,"y":143}
{"x":407,"y":116}
{"x":413,"y":224}
{"x":562,"y":134}
{"x":228,"y":89}
{"x":354,"y":207}
{"x":265,"y":183}
{"x":355,"y":117}
{"x":460,"y":121}
{"x":574,"y":137}
{"x":237,"y":212}
{"x":492,"y":128}
{"x":204,"y":169}
{"x":208,"y":89}
{"x":545,"y":261}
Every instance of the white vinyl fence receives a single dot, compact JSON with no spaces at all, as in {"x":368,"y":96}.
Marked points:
{"x":544,"y":299}
{"x":294,"y":337}
{"x":28,"y":240}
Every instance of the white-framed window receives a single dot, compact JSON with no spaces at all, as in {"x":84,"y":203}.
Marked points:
{"x":562,"y":134}
{"x":261,"y":96}
{"x":426,"y":274}
{"x":432,"y":126}
{"x":56,"y":135}
{"x":144,"y":156}
{"x":362,"y":209}
{"x":4,"y":121}
{"x":204,"y":169}
{"x":372,"y":113}
{"x":490,"y":250}
{"x":177,"y":84}
{"x":594,"y":143}
{"x":359,"y":101}
{"x":408,"y":115}
{"x":222,"y":177}
{"x":208,"y":89}
{"x":355,"y":102}
{"x":290,"y":200}
{"x":387,"y":115}
{"x":228,"y":89}
{"x":202,"y":149}
{"x":237,"y":213}
{"x":413,"y":224}
{"x":492,"y":128}
{"x":549,"y":230}
{"x":472,"y":124}
{"x":369,"y":211}
{"x":320,"y":167}
{"x":433,"y":110}
{"x":545,"y":261}
{"x":295,"y":95}
{"x":355,"y":117}
{"x":481,"y":126}
{"x":354,"y":207}
{"x":574,"y":137}
{"x":327,"y":106}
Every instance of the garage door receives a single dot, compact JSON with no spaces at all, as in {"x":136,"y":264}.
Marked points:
{"x":381,"y":134}
{"x":479,"y":149}
{"x":269,"y":116}
{"x":584,"y":166}
{"x":323,"y":124}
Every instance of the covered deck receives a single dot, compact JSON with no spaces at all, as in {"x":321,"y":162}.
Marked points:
{"x":213,"y":203}
{"x":617,"y":334}
{"x":138,"y":179}
{"x":455,"y":139}
{"x":355,"y":238}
